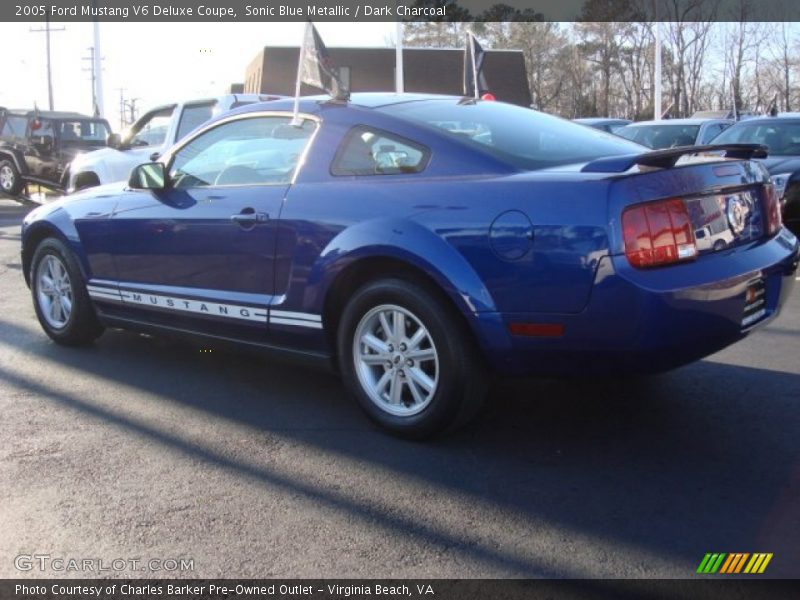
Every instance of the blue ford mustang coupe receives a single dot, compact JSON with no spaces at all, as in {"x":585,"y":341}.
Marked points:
{"x":419,"y":243}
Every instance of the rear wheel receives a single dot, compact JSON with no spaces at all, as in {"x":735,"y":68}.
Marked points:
{"x":10,"y":181}
{"x":62,"y":304}
{"x":407,"y":359}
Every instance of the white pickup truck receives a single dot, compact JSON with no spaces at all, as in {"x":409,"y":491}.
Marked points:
{"x":158,"y":129}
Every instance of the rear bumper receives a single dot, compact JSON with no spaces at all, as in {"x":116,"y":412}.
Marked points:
{"x":640,"y":321}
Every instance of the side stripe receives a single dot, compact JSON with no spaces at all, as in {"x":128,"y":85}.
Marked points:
{"x":295,"y":315}
{"x":296,"y":322}
{"x":110,"y":292}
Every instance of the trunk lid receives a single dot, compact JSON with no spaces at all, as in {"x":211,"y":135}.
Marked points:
{"x":728,"y":202}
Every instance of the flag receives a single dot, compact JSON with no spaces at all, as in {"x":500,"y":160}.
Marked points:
{"x":317,"y":68}
{"x":473,"y":68}
{"x":36,"y":123}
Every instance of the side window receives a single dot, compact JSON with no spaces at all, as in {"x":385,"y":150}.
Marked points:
{"x":193,"y":116}
{"x":368,"y":151}
{"x":151,"y":130}
{"x":41,"y":127}
{"x":14,"y":126}
{"x":248,"y":151}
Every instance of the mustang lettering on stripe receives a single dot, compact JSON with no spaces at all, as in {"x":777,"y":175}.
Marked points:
{"x":105,"y":292}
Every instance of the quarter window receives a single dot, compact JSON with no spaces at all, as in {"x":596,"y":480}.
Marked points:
{"x":368,"y":151}
{"x":248,"y":151}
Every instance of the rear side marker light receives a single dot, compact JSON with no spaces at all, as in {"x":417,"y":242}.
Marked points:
{"x":773,"y":209}
{"x":536,"y":329}
{"x":658,"y":233}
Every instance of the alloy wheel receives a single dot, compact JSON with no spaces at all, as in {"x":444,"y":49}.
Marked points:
{"x":396,"y":360}
{"x":54,"y":291}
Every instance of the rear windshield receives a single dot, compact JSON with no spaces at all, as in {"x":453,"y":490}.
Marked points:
{"x":782,"y":138}
{"x":659,"y":137}
{"x":523,"y":138}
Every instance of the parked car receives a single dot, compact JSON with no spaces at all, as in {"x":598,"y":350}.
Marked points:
{"x":781,"y":135}
{"x":673,"y":133}
{"x":604,"y":124}
{"x":36,"y":146}
{"x":153,"y":133}
{"x":709,"y":238}
{"x":730,"y":114}
{"x":379,"y":238}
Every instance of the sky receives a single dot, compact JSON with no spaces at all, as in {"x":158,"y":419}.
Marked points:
{"x":154,"y":62}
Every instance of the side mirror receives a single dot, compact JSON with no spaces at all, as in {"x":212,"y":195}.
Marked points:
{"x":149,"y":176}
{"x":114,"y":140}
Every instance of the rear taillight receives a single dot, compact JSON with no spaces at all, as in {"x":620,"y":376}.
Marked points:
{"x":658,"y":233}
{"x":772,"y":207}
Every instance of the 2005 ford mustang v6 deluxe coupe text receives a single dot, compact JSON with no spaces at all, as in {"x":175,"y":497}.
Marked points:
{"x":419,"y":243}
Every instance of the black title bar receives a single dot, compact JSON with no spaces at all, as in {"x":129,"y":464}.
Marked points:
{"x":394,"y":10}
{"x":395,"y":589}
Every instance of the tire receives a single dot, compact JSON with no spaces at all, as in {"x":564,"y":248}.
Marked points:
{"x":10,"y":181}
{"x":414,"y":385}
{"x":719,"y":245}
{"x":60,"y":299}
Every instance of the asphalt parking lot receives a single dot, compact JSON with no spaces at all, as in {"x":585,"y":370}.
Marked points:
{"x":143,"y":448}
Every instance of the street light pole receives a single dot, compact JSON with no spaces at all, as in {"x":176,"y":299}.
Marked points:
{"x":399,"y":84}
{"x":98,"y":73}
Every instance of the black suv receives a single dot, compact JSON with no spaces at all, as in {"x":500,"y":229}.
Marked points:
{"x":781,"y":135}
{"x":36,"y":146}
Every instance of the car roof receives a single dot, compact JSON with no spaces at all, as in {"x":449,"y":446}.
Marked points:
{"x":361,"y":100}
{"x":315,"y":105}
{"x":380,"y":99}
{"x":779,"y":120}
{"x":225,"y":99}
{"x":601,"y":120}
{"x":677,"y":122}
{"x":50,"y":114}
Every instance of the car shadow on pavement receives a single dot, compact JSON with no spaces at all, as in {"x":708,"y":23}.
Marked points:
{"x":697,"y":460}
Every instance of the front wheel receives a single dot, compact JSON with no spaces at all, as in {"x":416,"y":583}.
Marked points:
{"x":408,"y":360}
{"x":60,"y":298}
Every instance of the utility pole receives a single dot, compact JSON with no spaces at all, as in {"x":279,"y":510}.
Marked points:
{"x":91,"y":69}
{"x":132,"y":108}
{"x":47,"y":29}
{"x":121,"y":108}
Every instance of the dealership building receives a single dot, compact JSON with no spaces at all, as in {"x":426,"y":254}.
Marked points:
{"x":427,"y":70}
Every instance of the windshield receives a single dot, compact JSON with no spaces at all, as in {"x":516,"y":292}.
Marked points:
{"x":523,"y":138}
{"x":660,"y":136}
{"x":782,"y":138}
{"x":83,"y":132}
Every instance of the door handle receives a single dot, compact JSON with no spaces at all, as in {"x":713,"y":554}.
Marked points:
{"x":249,"y":218}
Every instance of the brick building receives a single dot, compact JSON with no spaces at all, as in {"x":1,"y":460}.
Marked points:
{"x":431,"y":70}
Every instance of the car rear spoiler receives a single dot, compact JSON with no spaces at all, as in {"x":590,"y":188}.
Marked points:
{"x":666,"y":159}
